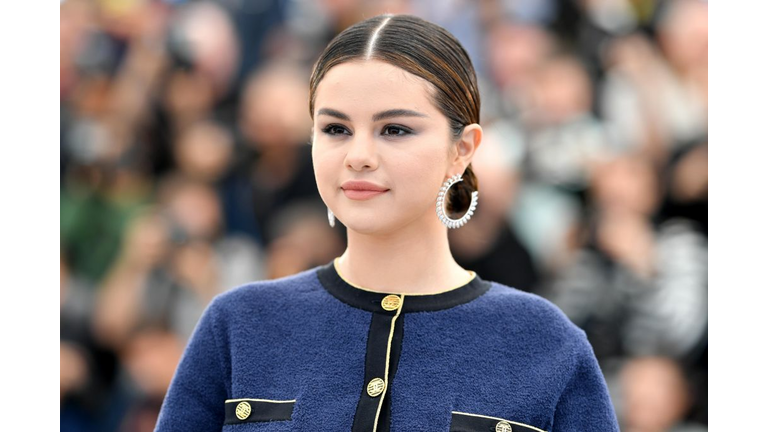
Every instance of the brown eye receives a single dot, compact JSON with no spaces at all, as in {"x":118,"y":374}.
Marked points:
{"x":335,"y":129}
{"x":393,"y":130}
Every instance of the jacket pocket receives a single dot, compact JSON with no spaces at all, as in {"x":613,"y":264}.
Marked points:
{"x":466,"y":422}
{"x":257,"y":410}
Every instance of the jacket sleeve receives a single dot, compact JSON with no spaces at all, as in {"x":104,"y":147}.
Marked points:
{"x":195,"y":398}
{"x":585,"y":404}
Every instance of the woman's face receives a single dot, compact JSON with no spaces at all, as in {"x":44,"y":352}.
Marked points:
{"x":375,"y":123}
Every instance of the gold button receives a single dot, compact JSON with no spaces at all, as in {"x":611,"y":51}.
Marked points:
{"x":390,"y":302}
{"x":243,"y":410}
{"x":503,"y":426}
{"x":376,"y":387}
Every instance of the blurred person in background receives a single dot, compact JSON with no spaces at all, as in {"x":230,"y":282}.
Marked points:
{"x":146,"y":310}
{"x":637,"y":285}
{"x":686,"y":179}
{"x":273,"y":167}
{"x":204,"y":37}
{"x":204,"y":47}
{"x":204,"y":152}
{"x":89,"y":398}
{"x":564,"y":141}
{"x":195,"y":211}
{"x":201,"y":60}
{"x":654,"y":396}
{"x":175,"y":260}
{"x":514,"y":53}
{"x":140,"y":287}
{"x":654,"y":97}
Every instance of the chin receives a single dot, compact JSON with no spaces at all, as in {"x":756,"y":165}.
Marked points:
{"x":366,"y":226}
{"x":383,"y":224}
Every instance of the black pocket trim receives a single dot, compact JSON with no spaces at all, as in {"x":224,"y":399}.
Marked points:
{"x":466,"y":422}
{"x":257,"y":410}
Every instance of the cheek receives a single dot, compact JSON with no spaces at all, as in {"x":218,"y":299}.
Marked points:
{"x":324,"y":166}
{"x":419,"y":179}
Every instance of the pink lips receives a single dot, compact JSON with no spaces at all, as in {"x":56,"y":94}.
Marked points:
{"x":362,"y":190}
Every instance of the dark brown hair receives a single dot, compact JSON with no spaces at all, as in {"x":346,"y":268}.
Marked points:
{"x":422,"y":49}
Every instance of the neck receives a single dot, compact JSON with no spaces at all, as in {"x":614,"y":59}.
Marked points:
{"x":415,"y":260}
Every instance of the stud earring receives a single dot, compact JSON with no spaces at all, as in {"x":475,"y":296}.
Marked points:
{"x":440,"y":205}
{"x":331,"y":218}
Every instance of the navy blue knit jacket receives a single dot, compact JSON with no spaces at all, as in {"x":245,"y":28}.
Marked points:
{"x":313,"y":353}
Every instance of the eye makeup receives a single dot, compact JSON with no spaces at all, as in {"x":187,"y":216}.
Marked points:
{"x":335,"y":129}
{"x":390,"y":130}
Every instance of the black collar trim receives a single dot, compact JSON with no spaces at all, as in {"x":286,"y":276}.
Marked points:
{"x":371,"y":301}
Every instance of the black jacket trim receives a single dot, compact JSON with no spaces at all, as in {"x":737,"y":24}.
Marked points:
{"x":371,"y":301}
{"x":257,"y":410}
{"x":465,"y":422}
{"x":375,"y":367}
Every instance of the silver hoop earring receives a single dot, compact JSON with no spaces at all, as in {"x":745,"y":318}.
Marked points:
{"x":440,"y":206}
{"x":331,"y":218}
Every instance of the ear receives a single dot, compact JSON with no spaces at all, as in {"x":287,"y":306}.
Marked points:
{"x":466,"y":147}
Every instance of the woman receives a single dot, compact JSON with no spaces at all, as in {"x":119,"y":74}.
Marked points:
{"x":392,"y":335}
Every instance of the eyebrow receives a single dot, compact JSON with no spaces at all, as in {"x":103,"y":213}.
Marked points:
{"x":333,"y":113}
{"x":376,"y":117}
{"x":397,"y":113}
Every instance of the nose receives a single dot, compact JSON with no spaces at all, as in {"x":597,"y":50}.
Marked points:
{"x":362,"y":155}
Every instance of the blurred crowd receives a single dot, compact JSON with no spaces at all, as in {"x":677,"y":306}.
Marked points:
{"x":186,"y":171}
